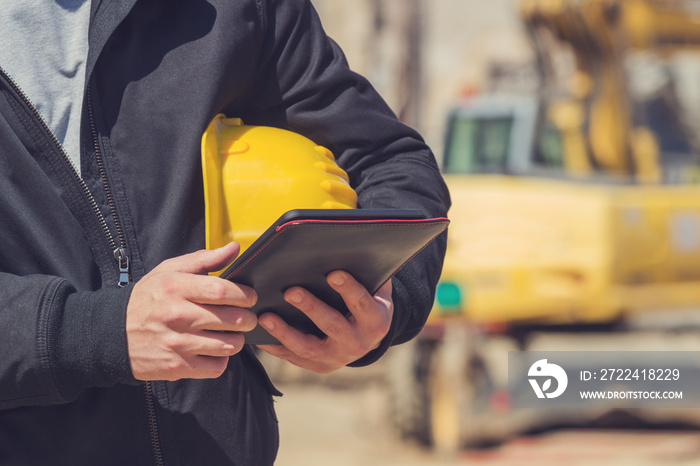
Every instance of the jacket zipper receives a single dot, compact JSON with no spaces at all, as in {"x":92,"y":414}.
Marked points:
{"x":121,"y":254}
{"x":122,"y":258}
{"x":119,"y":251}
{"x":153,"y":424}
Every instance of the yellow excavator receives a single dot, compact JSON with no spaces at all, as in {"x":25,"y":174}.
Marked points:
{"x":576,"y":214}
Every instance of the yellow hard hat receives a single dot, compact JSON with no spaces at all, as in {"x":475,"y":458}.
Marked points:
{"x":254,"y":174}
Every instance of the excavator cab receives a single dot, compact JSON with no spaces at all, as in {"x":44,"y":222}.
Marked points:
{"x":501,"y":134}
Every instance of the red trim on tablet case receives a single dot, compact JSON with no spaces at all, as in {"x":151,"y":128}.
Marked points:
{"x":384,"y":220}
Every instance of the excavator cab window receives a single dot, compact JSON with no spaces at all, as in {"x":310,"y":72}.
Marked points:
{"x":549,"y":153}
{"x":478,"y":145}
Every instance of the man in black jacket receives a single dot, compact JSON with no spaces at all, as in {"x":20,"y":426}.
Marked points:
{"x":106,"y":311}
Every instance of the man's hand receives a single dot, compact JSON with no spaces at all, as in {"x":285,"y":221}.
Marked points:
{"x":183,"y":323}
{"x":348,"y":338}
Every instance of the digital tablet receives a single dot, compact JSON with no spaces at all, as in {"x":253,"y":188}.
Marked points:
{"x":303,"y":246}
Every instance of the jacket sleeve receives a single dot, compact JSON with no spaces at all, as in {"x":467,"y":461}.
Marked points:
{"x":306,"y":86}
{"x":54,"y":345}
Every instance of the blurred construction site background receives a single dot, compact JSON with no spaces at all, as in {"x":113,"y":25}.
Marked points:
{"x":567,"y":131}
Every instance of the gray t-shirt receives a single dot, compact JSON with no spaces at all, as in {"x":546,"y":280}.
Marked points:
{"x":43,"y":47}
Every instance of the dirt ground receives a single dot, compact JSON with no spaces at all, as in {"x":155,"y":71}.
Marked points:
{"x":322,"y":425}
{"x":342,"y":420}
{"x":339,"y":419}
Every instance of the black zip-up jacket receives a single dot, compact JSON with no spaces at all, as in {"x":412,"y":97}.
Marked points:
{"x":157,"y":72}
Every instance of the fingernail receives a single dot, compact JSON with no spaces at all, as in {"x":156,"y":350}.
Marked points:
{"x":338,"y":278}
{"x":295,"y":297}
{"x":268,"y":324}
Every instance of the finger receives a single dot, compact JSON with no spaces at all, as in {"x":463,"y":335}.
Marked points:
{"x":192,"y":367}
{"x":206,"y":343}
{"x":220,"y":344}
{"x":187,"y":317}
{"x":203,"y":261}
{"x":224,"y":319}
{"x":205,"y":289}
{"x":284,"y":353}
{"x":329,"y":320}
{"x":202,"y":367}
{"x":383,"y":295}
{"x":305,"y":346}
{"x":367,"y":310}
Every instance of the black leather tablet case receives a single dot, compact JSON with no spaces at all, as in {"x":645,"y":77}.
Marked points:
{"x":303,"y":252}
